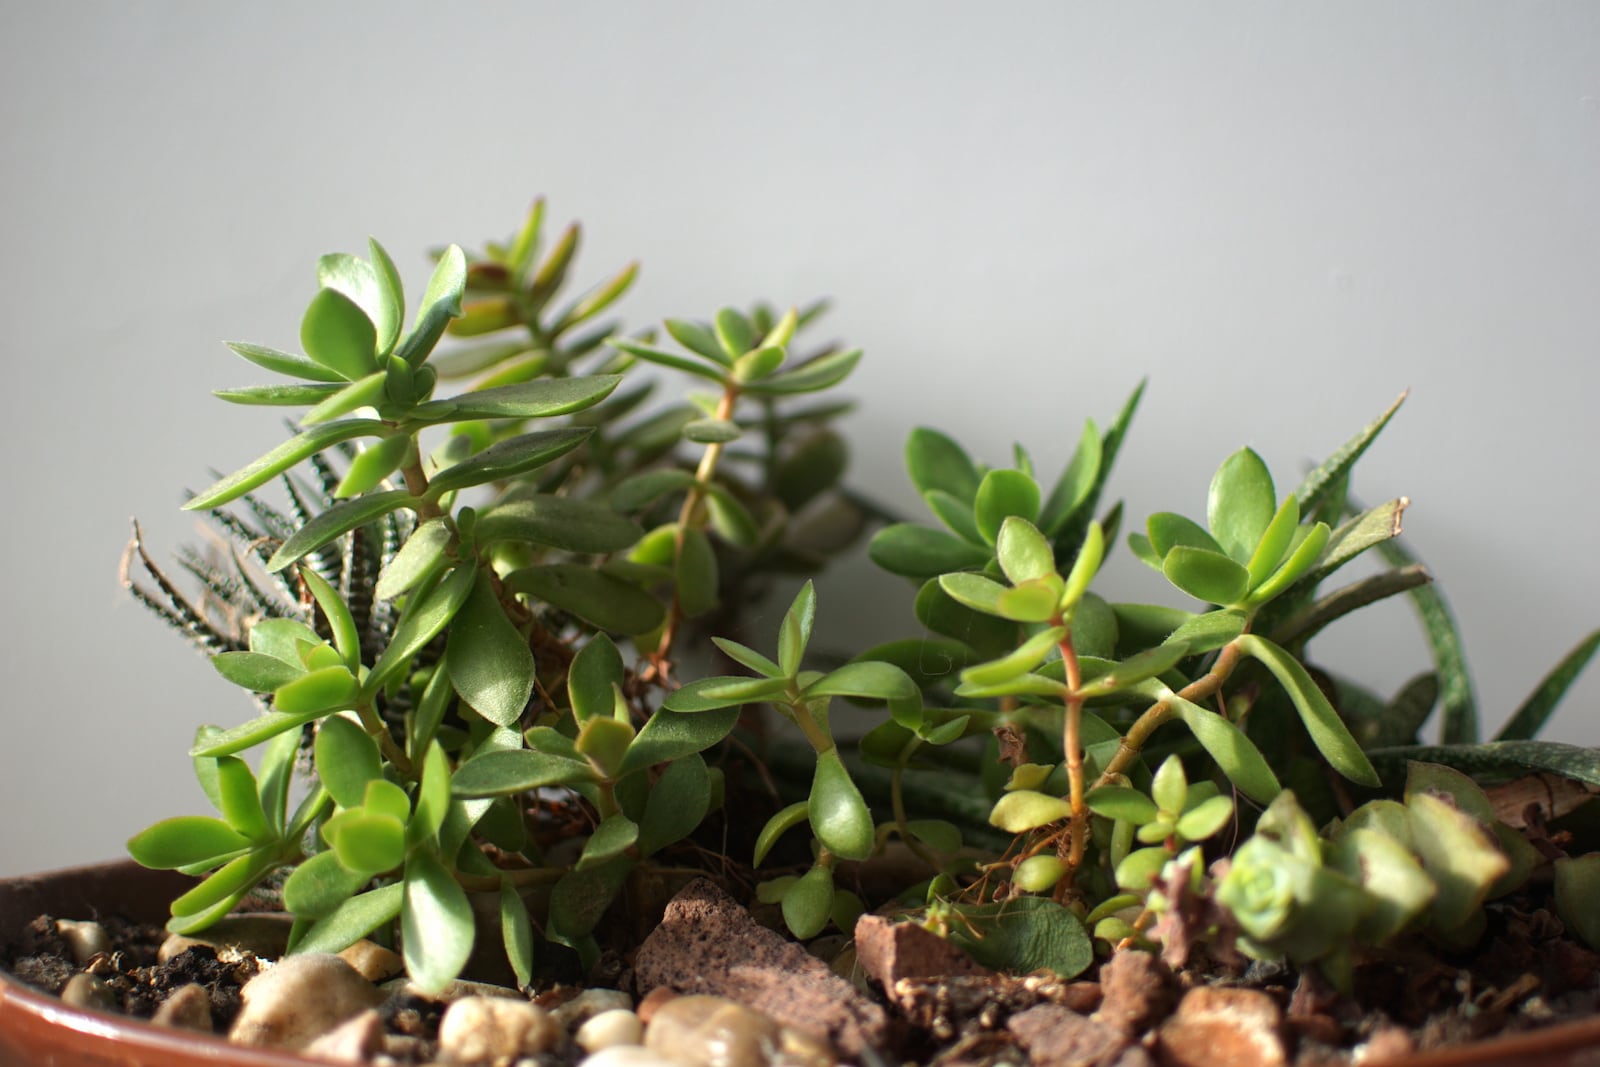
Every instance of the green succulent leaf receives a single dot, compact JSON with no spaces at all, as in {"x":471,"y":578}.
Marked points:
{"x":922,"y":552}
{"x":698,"y":339}
{"x":612,"y":838}
{"x":1205,"y":818}
{"x":507,"y":459}
{"x":1121,"y":802}
{"x":441,"y":302}
{"x":347,"y":760}
{"x":284,"y":363}
{"x":367,"y":841}
{"x":490,"y":662}
{"x":957,"y":515}
{"x":539,"y":399}
{"x":337,"y":521}
{"x":695,"y":571}
{"x":935,"y":462}
{"x":794,"y":632}
{"x":300,"y":447}
{"x":1275,"y":541}
{"x":1300,"y":561}
{"x":718,"y":373}
{"x":317,"y":692}
{"x":1203,"y":633}
{"x":436,"y":924}
{"x":669,"y":735}
{"x":734,"y":333}
{"x":1023,"y":552}
{"x":1003,"y":493}
{"x":1076,"y":484}
{"x":808,"y":902}
{"x":1458,"y":853}
{"x":604,"y":601}
{"x":319,"y":885}
{"x":337,"y":334}
{"x":710,"y":694}
{"x":712,"y":431}
{"x":1328,"y":732}
{"x":354,"y":919}
{"x":1241,"y":504}
{"x":516,"y":931}
{"x":277,"y":395}
{"x":810,"y":377}
{"x":749,"y":657}
{"x":1206,"y":575}
{"x":421,"y":554}
{"x":643,"y":489}
{"x":255,"y":671}
{"x":1580,"y":763}
{"x":1234,"y":753}
{"x":1038,"y":600}
{"x":777,"y":826}
{"x":1357,"y":534}
{"x":677,"y":803}
{"x":185,"y":841}
{"x":838,"y":814}
{"x":1026,"y":809}
{"x":974,"y":591}
{"x":372,"y":465}
{"x":504,"y":773}
{"x":1019,"y":662}
{"x":595,"y":670}
{"x":1085,"y":566}
{"x":1169,"y":530}
{"x":424,"y":617}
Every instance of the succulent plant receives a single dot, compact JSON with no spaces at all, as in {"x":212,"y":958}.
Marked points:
{"x":478,"y":623}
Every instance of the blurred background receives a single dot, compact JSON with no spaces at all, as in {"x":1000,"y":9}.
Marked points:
{"x":1282,"y":215}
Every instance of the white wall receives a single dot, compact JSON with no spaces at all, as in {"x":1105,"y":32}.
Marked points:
{"x":1284,"y":214}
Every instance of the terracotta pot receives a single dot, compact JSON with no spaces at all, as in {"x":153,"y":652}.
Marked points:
{"x":37,"y":1029}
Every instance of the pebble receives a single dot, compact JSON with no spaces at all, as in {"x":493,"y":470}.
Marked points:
{"x":1215,"y":1024}
{"x":298,"y":999}
{"x":653,"y":1000}
{"x":586,"y":1005}
{"x":85,"y":939}
{"x":712,"y":1032}
{"x":495,"y":1030}
{"x":186,"y":1008}
{"x":355,"y":1040}
{"x":627,"y":1056}
{"x":619,"y":1026}
{"x":372,"y":961}
{"x":459,"y":989}
{"x":87,"y":991}
{"x":264,"y":935}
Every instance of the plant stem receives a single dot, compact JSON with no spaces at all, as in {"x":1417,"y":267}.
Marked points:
{"x":897,"y":802}
{"x":379,"y":732}
{"x":417,"y":484}
{"x":1072,"y":745}
{"x":693,"y":500}
{"x":1133,"y":741}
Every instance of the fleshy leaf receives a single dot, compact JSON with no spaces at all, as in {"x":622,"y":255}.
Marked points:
{"x":1328,"y":732}
{"x":436,"y":924}
{"x":490,"y":663}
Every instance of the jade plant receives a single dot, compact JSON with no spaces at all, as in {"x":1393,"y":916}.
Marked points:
{"x":509,"y":641}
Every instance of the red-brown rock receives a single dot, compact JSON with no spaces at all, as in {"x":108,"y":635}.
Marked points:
{"x":1136,"y":990}
{"x":1215,"y":1025}
{"x":1057,"y":1037}
{"x":890,"y":951}
{"x":707,"y":943}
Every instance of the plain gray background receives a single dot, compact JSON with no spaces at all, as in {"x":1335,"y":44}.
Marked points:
{"x":1283,"y":214}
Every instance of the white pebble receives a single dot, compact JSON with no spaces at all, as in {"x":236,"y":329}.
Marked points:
{"x":299,"y":999}
{"x":355,"y":1040}
{"x":586,"y":1005}
{"x":85,"y":939}
{"x":486,"y":1030}
{"x":627,"y":1056}
{"x":619,"y":1026}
